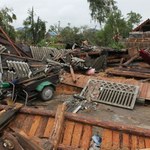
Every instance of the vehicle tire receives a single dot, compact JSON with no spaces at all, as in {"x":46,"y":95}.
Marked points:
{"x":47,"y":93}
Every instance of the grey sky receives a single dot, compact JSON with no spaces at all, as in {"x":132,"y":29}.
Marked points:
{"x":75,"y":12}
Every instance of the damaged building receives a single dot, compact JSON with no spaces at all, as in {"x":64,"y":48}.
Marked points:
{"x":75,"y":99}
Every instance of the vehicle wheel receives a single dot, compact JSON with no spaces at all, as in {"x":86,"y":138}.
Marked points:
{"x":47,"y":93}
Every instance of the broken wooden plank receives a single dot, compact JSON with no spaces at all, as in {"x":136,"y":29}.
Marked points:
{"x":89,"y":121}
{"x":8,"y":115}
{"x":72,"y":74}
{"x":131,"y":59}
{"x":26,"y":142}
{"x":129,"y":73}
{"x":9,"y":137}
{"x":58,"y":126}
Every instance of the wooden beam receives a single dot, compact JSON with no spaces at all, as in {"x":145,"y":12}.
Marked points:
{"x":26,"y":143}
{"x":88,"y":120}
{"x":58,"y":126}
{"x":129,"y":73}
{"x":72,"y":74}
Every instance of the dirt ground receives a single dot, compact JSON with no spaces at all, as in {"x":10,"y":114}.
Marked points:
{"x":139,"y":116}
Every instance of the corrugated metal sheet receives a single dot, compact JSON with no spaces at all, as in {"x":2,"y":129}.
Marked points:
{"x":144,"y":87}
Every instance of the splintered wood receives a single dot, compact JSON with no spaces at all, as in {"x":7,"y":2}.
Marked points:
{"x":74,"y":132}
{"x":58,"y":126}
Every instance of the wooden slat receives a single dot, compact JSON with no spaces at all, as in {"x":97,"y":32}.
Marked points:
{"x":41,"y":128}
{"x":49,"y":127}
{"x":106,"y":139}
{"x":134,"y":140}
{"x":126,"y":141}
{"x":68,"y":133}
{"x":144,"y":90}
{"x":18,"y":122}
{"x":35,"y":125}
{"x":77,"y":134}
{"x":141,"y":142}
{"x":27,"y":123}
{"x":116,"y":140}
{"x":147,"y":142}
{"x":148,"y":93}
{"x":86,"y":137}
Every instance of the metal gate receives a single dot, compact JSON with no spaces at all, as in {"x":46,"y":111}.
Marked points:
{"x":117,"y":94}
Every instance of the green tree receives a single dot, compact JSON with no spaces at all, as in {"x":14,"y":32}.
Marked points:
{"x":71,"y":35}
{"x":34,"y":31}
{"x":133,"y":19}
{"x":6,"y":19}
{"x":117,"y":26}
{"x":101,"y":9}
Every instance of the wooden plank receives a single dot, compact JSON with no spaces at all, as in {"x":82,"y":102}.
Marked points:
{"x":141,"y":142}
{"x":49,"y":127}
{"x":116,"y":140}
{"x":126,"y":141}
{"x":68,"y":133}
{"x":27,"y":123}
{"x":56,"y":132}
{"x":18,"y":122}
{"x":134,"y":140}
{"x":144,"y":90}
{"x":34,"y":126}
{"x":41,"y":127}
{"x":106,"y":139}
{"x":77,"y":134}
{"x":147,"y":142}
{"x":86,"y":137}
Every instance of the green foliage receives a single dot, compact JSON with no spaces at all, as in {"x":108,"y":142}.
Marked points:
{"x":101,"y":9}
{"x":6,"y":19}
{"x":71,"y":35}
{"x":34,"y":31}
{"x":133,"y":19}
{"x":117,"y":25}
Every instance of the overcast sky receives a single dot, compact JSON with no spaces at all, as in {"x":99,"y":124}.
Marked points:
{"x":75,"y":12}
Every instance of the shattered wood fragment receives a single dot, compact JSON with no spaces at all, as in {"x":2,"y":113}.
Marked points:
{"x":58,"y":126}
{"x":72,"y":74}
{"x":26,"y":143}
{"x":12,"y":138}
{"x":131,"y":59}
{"x":8,"y":115}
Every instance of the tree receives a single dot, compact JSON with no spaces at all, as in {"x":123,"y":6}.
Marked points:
{"x":34,"y":30}
{"x":101,"y":9}
{"x":133,"y":19}
{"x":6,"y":19}
{"x":116,"y":27}
{"x":71,"y":35}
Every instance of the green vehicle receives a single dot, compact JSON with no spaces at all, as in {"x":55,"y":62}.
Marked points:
{"x":34,"y":88}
